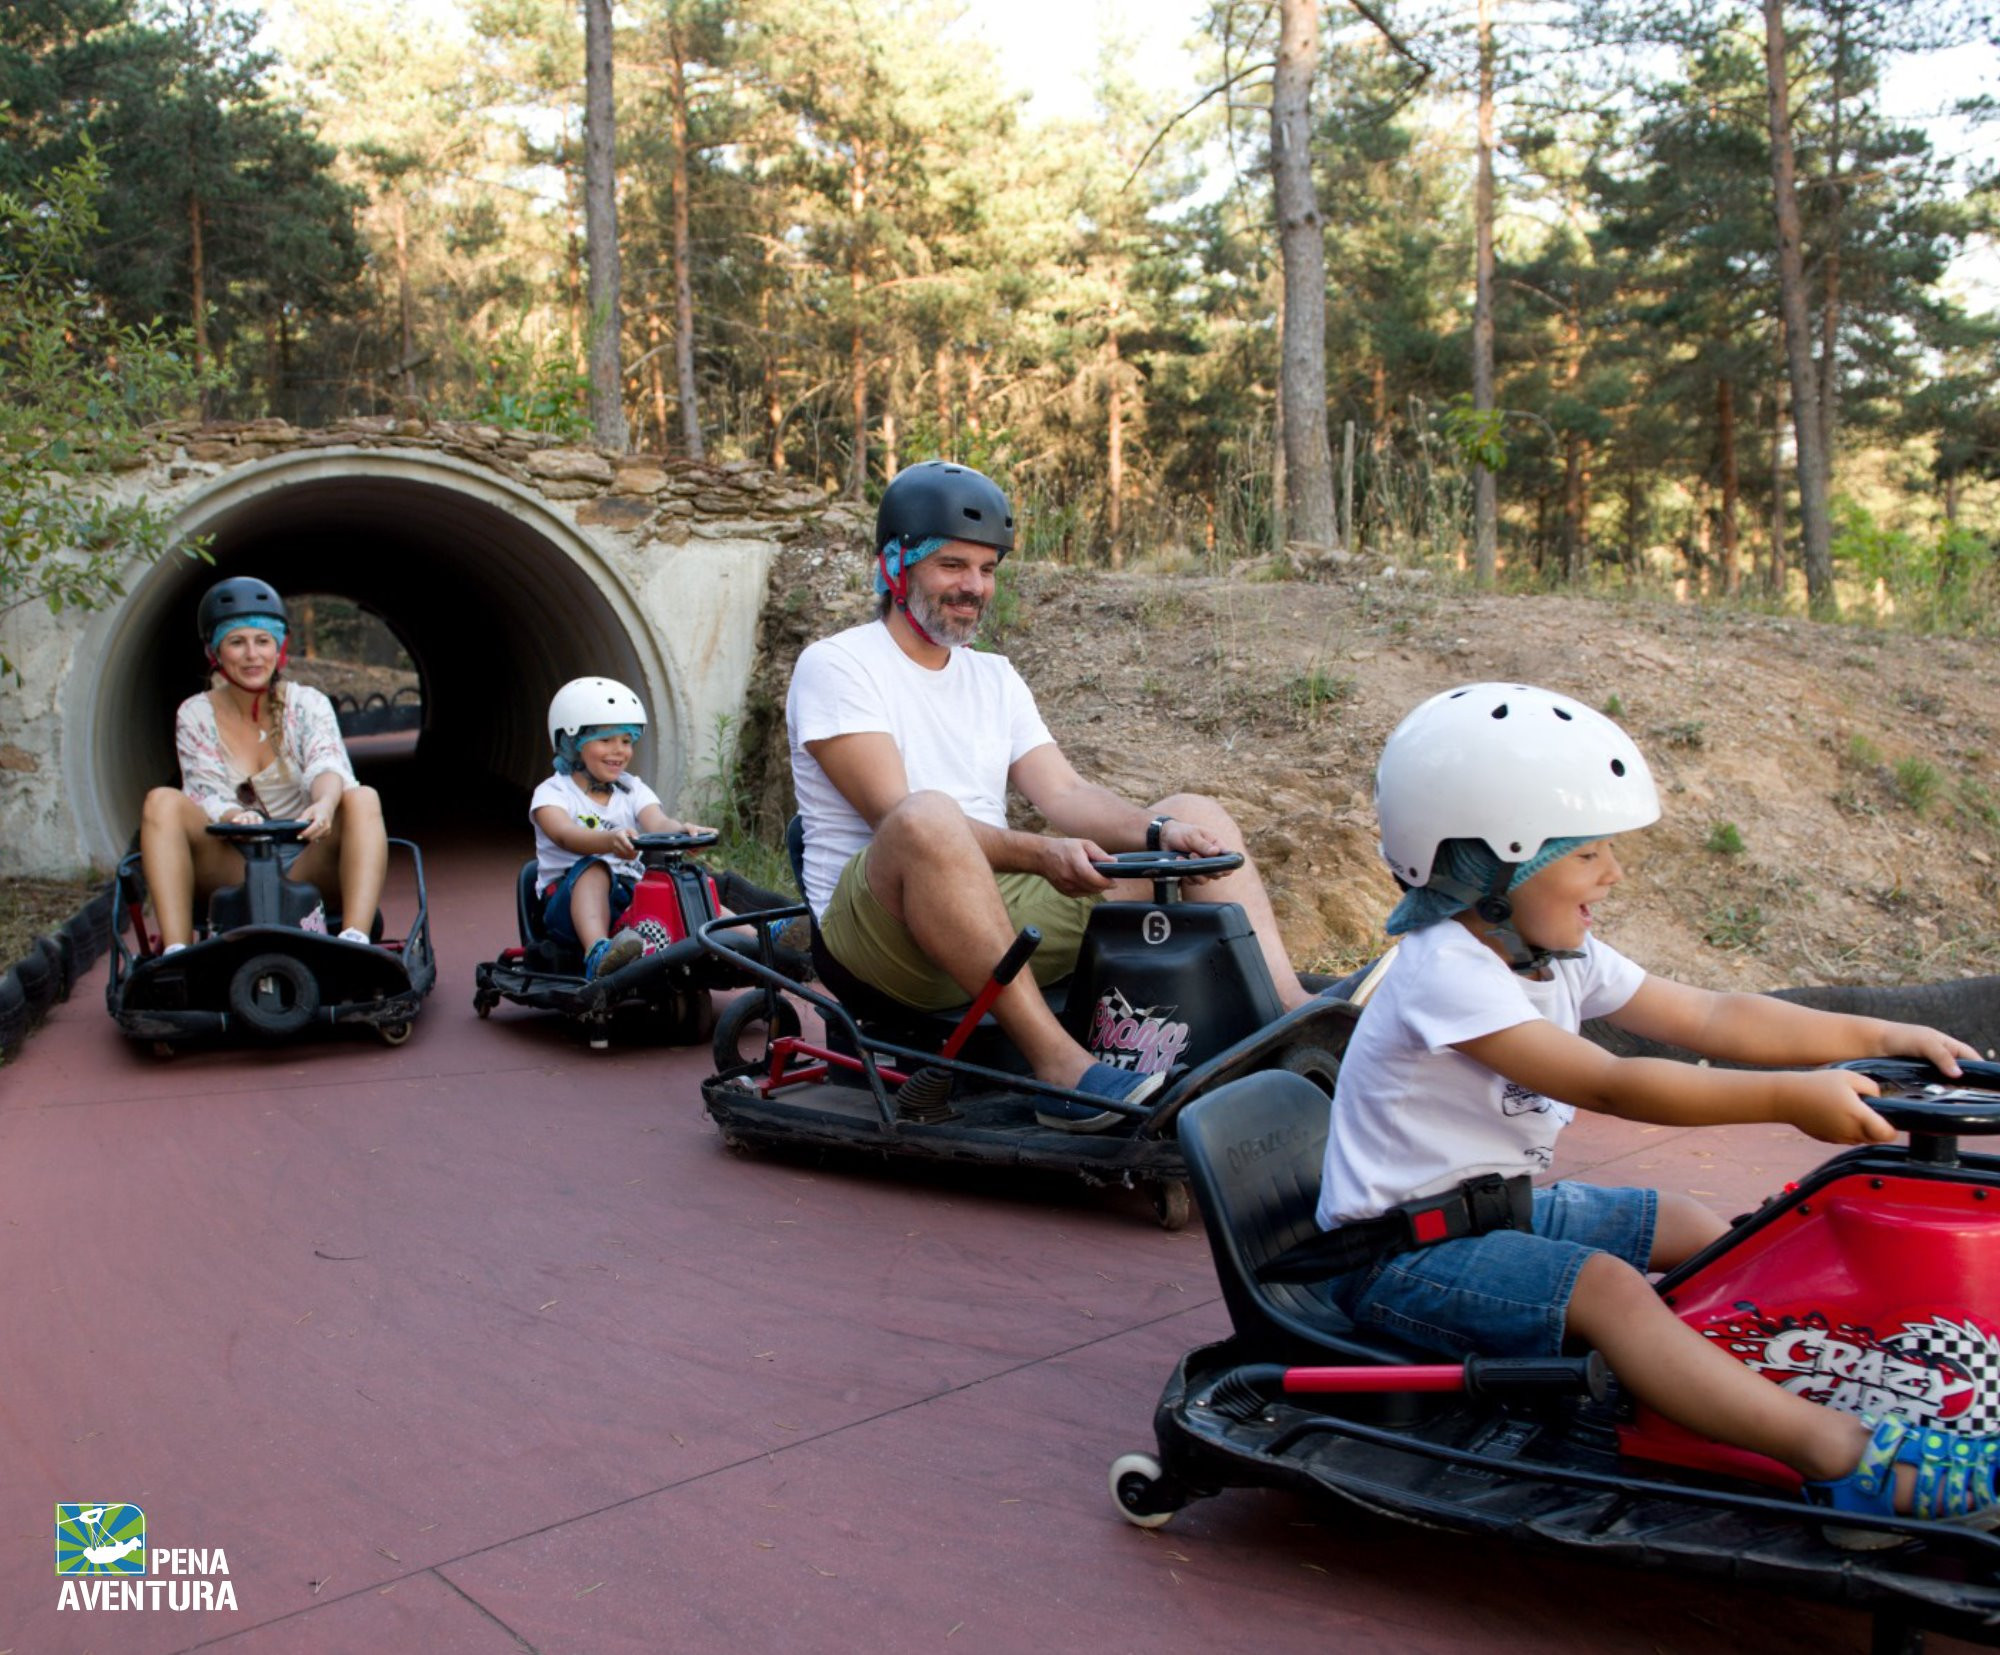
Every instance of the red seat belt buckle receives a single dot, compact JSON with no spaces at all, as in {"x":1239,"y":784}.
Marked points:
{"x":1429,"y":1227}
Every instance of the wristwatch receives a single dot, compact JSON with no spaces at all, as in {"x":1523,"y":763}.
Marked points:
{"x":1153,"y":831}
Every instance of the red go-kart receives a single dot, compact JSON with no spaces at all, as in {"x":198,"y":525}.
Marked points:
{"x":1873,"y":1284}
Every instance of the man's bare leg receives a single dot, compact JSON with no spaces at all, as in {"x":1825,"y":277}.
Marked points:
{"x":1244,"y":886}
{"x":926,"y":868}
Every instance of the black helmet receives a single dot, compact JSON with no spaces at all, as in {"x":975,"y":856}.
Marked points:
{"x":936,"y":497}
{"x":233,"y":599}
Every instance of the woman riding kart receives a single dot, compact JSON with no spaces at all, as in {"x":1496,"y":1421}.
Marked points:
{"x":254,"y":748}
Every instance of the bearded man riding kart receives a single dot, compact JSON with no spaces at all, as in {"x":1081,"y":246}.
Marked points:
{"x":904,"y":745}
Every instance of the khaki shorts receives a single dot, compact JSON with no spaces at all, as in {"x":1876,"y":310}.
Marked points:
{"x":878,"y":948}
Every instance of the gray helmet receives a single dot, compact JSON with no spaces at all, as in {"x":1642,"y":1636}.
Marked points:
{"x":234,"y":599}
{"x":936,"y":497}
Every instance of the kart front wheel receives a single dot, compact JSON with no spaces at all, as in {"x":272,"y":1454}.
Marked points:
{"x":748,"y":1012}
{"x":1145,"y":1496}
{"x":394,"y":1034}
{"x":484,"y":1001}
{"x":1172,"y":1205}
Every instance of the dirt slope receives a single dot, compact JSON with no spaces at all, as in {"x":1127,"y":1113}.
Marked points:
{"x":1856,"y":767}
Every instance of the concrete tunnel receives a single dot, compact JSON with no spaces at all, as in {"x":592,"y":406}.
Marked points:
{"x":498,"y":596}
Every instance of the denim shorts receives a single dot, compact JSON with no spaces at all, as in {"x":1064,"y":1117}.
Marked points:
{"x":555,"y":910}
{"x":1505,"y":1293}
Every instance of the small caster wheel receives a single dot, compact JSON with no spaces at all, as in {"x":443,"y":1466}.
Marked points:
{"x":1172,"y":1205}
{"x":1141,"y":1491}
{"x":742,"y":1148}
{"x":394,"y":1034}
{"x":484,"y":1002}
{"x":164,"y":1049}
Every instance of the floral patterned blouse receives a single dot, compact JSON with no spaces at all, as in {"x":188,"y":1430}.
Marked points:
{"x":309,"y":747}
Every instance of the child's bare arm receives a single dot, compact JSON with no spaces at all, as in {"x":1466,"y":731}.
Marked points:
{"x":573,"y":836}
{"x":1755,"y":1028}
{"x":1822,"y":1103}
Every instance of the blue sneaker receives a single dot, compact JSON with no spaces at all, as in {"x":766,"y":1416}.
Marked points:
{"x":613,"y":954}
{"x":1955,"y":1481}
{"x":1100,"y":1080}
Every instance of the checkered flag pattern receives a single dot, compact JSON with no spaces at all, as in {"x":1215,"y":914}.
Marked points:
{"x":1967,"y":1350}
{"x":654,"y":935}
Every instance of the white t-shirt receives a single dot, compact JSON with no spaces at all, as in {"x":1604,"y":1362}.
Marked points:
{"x":959,"y":729}
{"x":622,"y":811}
{"x":1412,"y":1116}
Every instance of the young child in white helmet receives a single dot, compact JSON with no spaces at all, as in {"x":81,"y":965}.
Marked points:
{"x":585,"y":815}
{"x":1497,"y":803}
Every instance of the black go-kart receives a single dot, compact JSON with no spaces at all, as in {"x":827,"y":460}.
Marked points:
{"x":1166,"y":985}
{"x":1874,"y":1283}
{"x":255,"y":971}
{"x":661,"y":996}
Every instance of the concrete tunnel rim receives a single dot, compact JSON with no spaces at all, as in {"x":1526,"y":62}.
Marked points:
{"x":82,"y":707}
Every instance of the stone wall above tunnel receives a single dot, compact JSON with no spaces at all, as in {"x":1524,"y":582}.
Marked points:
{"x":506,"y":563}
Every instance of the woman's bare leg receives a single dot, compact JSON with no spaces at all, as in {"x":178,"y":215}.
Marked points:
{"x":351,"y":862}
{"x":181,"y":862}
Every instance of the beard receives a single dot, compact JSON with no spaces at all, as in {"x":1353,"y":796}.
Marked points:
{"x":952,"y":628}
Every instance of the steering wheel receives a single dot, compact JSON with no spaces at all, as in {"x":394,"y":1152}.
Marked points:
{"x":656,"y":850}
{"x":1924,"y":1101}
{"x":1165,"y":864}
{"x":282,"y":832}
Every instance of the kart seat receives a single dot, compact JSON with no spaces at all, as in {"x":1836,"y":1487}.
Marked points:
{"x":265,"y":897}
{"x":1254,"y":1149}
{"x":528,"y":905}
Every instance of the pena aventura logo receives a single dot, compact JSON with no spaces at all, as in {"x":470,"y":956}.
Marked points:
{"x":108,"y":1539}
{"x":103,"y":1562}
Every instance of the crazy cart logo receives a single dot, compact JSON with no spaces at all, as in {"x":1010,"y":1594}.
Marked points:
{"x":103,"y":1562}
{"x":1130,"y":1038}
{"x":1937,"y":1371}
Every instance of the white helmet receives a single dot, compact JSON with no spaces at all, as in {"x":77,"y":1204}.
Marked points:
{"x":1509,"y":764}
{"x":585,"y":702}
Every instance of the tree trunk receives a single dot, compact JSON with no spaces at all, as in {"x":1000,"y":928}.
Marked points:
{"x":198,"y":289}
{"x":600,"y":230}
{"x":941,"y":395}
{"x":1815,"y":523}
{"x":891,"y":458}
{"x":857,"y":353}
{"x":1302,"y":241}
{"x":656,"y":379}
{"x":406,"y":329}
{"x":1725,"y":419}
{"x":684,"y":384}
{"x":1829,"y":315}
{"x":1575,"y":534}
{"x":1774,"y":577}
{"x":1485,"y":492}
{"x":1114,"y":419}
{"x":774,"y":406}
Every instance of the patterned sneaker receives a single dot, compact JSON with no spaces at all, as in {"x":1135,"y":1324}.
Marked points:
{"x":614,"y":953}
{"x":1955,"y":1481}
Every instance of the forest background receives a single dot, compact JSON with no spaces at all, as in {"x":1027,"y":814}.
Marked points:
{"x":843,"y":242}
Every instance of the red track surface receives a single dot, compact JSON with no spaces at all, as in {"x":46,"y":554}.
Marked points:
{"x":486,"y":1344}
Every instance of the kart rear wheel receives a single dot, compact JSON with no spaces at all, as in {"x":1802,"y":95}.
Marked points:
{"x":1316,"y":1063}
{"x":1173,"y":1206}
{"x":273,"y":994}
{"x":1145,"y":1496}
{"x":742,"y":1015}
